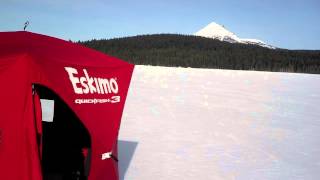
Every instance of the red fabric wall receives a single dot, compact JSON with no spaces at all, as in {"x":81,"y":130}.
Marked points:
{"x":28,"y":58}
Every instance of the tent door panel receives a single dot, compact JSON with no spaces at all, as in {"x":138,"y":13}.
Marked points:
{"x":65,"y":141}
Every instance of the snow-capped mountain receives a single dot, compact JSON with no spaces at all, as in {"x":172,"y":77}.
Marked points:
{"x":217,"y":31}
{"x":257,"y":42}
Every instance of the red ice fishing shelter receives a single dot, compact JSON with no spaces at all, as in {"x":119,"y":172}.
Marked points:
{"x":93,"y":85}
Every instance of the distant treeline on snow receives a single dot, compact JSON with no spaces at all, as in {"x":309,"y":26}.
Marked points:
{"x":199,"y":52}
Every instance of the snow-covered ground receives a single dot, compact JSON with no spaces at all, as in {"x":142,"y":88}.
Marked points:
{"x":202,"y":124}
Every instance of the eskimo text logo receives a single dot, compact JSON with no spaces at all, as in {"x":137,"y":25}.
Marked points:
{"x":86,"y":84}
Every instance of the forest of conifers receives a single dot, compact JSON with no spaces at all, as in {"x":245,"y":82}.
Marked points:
{"x":197,"y":52}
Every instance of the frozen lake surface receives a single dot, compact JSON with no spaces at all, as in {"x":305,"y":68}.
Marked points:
{"x":207,"y":124}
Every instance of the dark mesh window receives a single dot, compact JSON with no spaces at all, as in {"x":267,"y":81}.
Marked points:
{"x":64,"y":142}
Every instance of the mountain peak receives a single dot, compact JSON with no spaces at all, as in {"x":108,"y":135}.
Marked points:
{"x":219,"y":32}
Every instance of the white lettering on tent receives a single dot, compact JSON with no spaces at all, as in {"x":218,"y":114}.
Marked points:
{"x":87,"y":84}
{"x":106,"y":155}
{"x":73,"y":79}
{"x":112,"y":100}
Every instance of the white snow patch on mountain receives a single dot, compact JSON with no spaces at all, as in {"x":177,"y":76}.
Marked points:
{"x":217,"y":31}
{"x":185,"y":123}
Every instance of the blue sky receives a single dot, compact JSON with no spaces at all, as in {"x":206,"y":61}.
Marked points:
{"x":288,"y":24}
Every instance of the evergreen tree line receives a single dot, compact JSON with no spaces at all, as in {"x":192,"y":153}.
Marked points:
{"x":197,"y":52}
